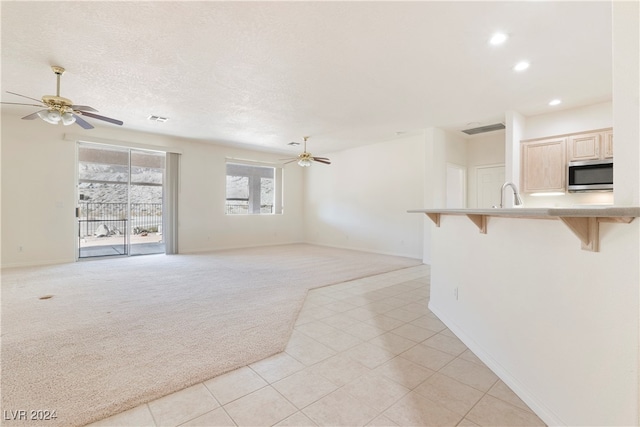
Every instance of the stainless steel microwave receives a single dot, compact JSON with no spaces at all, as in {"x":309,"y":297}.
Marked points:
{"x":591,"y":175}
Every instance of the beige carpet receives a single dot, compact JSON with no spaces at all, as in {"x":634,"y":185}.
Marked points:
{"x":120,"y":332}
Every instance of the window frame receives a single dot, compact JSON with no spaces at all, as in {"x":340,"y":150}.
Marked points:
{"x":277,"y":186}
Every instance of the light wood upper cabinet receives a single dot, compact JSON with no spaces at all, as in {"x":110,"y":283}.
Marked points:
{"x":608,"y":144}
{"x":584,"y":147}
{"x":593,"y":145}
{"x":543,"y":162}
{"x":543,"y":165}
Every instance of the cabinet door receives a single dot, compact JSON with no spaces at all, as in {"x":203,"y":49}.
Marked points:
{"x":585,"y":146}
{"x":607,"y":143}
{"x":543,"y":165}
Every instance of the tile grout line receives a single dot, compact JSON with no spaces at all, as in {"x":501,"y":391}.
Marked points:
{"x":221,"y":406}
{"x":155,"y":423}
{"x":474,"y":405}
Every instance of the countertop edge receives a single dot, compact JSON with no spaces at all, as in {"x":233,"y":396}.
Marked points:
{"x":600,"y":212}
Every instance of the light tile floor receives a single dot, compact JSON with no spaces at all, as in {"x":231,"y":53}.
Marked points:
{"x":363,"y":353}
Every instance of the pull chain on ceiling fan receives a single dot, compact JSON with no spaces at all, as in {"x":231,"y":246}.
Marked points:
{"x":304,"y":159}
{"x":62,"y":110}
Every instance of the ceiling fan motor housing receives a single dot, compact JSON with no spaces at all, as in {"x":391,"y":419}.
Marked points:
{"x":58,"y":103}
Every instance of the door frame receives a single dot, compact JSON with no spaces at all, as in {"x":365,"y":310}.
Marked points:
{"x":128,"y":228}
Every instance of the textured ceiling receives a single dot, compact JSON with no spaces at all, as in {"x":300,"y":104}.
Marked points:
{"x":267,"y":73}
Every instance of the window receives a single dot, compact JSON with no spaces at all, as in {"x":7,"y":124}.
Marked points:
{"x":253,"y":189}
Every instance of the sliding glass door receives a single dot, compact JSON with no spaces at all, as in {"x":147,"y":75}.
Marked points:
{"x":120,"y":195}
{"x":145,"y":202}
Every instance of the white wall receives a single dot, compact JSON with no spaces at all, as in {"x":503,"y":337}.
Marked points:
{"x":38,"y":191}
{"x":436,"y":172}
{"x":455,"y":157}
{"x":39,"y":197}
{"x":596,"y":116}
{"x":626,"y":95}
{"x":487,"y":149}
{"x":455,"y":148}
{"x":514,"y":133}
{"x":361,"y":200}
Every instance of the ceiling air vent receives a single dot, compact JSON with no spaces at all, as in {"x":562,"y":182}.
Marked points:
{"x":158,"y":119}
{"x":484,"y":129}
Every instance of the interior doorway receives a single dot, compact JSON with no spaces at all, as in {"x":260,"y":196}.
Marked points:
{"x":120,"y":201}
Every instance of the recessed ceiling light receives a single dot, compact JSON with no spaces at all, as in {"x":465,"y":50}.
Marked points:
{"x":293,"y":143}
{"x":521,"y":66}
{"x":555,"y":102}
{"x":498,"y":38}
{"x":155,"y":118}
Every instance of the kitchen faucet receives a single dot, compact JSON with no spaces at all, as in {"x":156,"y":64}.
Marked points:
{"x":517,"y":201}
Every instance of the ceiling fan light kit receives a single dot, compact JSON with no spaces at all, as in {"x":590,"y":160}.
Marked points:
{"x":68,"y":119}
{"x":54,"y":117}
{"x":62,"y":110}
{"x":305,"y":163}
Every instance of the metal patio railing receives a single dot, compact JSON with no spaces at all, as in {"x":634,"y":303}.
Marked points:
{"x":143,"y":218}
{"x":241,"y":206}
{"x":106,"y":229}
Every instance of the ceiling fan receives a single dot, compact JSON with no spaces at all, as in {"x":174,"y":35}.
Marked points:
{"x":58,"y":109}
{"x":304,"y":159}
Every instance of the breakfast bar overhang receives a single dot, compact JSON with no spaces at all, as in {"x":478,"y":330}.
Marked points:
{"x":583,"y":222}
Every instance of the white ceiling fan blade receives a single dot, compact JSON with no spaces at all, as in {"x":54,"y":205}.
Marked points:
{"x":106,"y":119}
{"x":316,"y":159}
{"x":33,"y":115}
{"x":82,"y":122}
{"x":20,"y":103}
{"x":24,"y":96}
{"x":84,"y":108}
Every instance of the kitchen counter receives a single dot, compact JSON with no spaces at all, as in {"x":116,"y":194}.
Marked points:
{"x":596,"y":211}
{"x":582,"y":221}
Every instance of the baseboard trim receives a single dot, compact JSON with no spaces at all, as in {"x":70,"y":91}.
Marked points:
{"x":353,"y":248}
{"x":220,"y":248}
{"x":548,"y":416}
{"x":37,"y":263}
{"x":232,"y":247}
